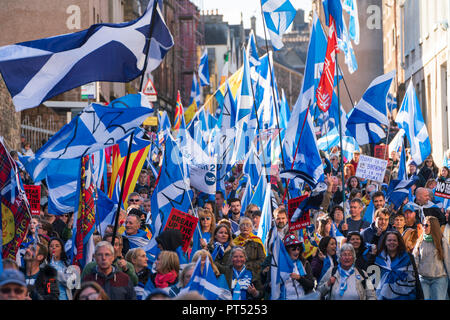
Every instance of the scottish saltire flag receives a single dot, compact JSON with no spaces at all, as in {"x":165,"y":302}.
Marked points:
{"x":368,"y":214}
{"x":333,"y":11}
{"x":372,"y":108}
{"x":351,"y":7}
{"x":285,"y":114}
{"x":278,"y":16}
{"x":173,"y":187}
{"x":349,"y":146}
{"x":365,"y":133}
{"x":245,"y":96}
{"x":402,"y":165}
{"x":252,"y":51}
{"x":398,"y":191}
{"x":329,"y":140}
{"x":195,"y":92}
{"x":203,"y":69}
{"x":105,"y":211}
{"x":397,"y":141}
{"x":15,"y":214}
{"x":36,"y":168}
{"x":281,"y":266}
{"x":62,"y":178}
{"x":99,"y":169}
{"x":206,"y":283}
{"x":410,"y":119}
{"x":36,"y":71}
{"x":346,"y":46}
{"x":261,"y":198}
{"x":391,"y":102}
{"x":97,"y":127}
{"x":82,"y":249}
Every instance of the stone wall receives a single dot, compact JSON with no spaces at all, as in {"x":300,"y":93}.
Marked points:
{"x":9,"y":119}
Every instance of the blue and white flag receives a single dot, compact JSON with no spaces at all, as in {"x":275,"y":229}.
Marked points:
{"x":368,"y":214}
{"x":351,"y":7}
{"x":61,"y":178}
{"x":398,"y":191}
{"x":346,"y":46}
{"x":278,"y":16}
{"x":252,"y":51}
{"x":203,"y":69}
{"x":281,"y":266}
{"x":195,"y":91}
{"x":365,"y":133}
{"x":36,"y":168}
{"x":35,"y":71}
{"x":97,"y":127}
{"x":334,"y":8}
{"x":410,"y":119}
{"x":391,"y":102}
{"x":105,"y":212}
{"x":397,"y":142}
{"x":262,"y":198}
{"x":402,"y":175}
{"x":372,"y":108}
{"x":206,"y":283}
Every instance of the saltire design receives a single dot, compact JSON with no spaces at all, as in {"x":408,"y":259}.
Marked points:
{"x":203,"y":69}
{"x":35,"y":71}
{"x":278,"y":16}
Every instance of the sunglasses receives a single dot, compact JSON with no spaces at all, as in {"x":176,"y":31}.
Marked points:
{"x":8,"y":290}
{"x":133,"y":200}
{"x":254,"y":212}
{"x":205,"y":218}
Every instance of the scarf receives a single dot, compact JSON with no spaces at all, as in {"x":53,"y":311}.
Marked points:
{"x":344,"y":274}
{"x":219,"y":250}
{"x":428,"y":237}
{"x":241,"y":241}
{"x":327,"y":264}
{"x":163,"y":280}
{"x":301,"y":269}
{"x":139,"y":240}
{"x":239,"y":277}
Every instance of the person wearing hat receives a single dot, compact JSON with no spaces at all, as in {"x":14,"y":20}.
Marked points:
{"x":13,"y":285}
{"x":411,"y":171}
{"x":413,"y":230}
{"x":301,"y":280}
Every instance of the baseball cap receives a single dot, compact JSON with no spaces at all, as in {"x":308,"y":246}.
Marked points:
{"x":12,"y":276}
{"x":409,"y":207}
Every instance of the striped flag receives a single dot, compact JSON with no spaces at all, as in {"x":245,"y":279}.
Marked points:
{"x":178,"y":113}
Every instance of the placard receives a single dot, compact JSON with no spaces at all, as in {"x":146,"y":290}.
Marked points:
{"x":178,"y":220}
{"x":371,"y":168}
{"x":304,"y":221}
{"x":380,"y":152}
{"x":443,"y":189}
{"x":203,"y":177}
{"x":34,"y":198}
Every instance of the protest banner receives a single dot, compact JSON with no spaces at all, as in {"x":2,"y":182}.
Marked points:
{"x":179,"y":220}
{"x":443,"y":189}
{"x":203,"y":177}
{"x":34,"y":198}
{"x":304,"y":221}
{"x":371,"y":168}
{"x":380,"y":152}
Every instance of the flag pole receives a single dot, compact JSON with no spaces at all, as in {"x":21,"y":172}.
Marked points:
{"x":147,"y":49}
{"x":340,"y":134}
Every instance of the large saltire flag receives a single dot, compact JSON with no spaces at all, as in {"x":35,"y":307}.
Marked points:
{"x":178,"y":113}
{"x":410,"y":119}
{"x":278,"y":16}
{"x":203,"y":69}
{"x":15,"y":214}
{"x":97,"y":127}
{"x":35,"y":71}
{"x":138,"y":155}
{"x":84,"y":216}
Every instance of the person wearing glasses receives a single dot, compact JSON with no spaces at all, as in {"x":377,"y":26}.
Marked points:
{"x":301,"y":281}
{"x":117,"y":284}
{"x":252,"y":244}
{"x":335,"y":165}
{"x":207,"y":226}
{"x":134,"y":199}
{"x":346,"y":281}
{"x":13,"y":285}
{"x":432,"y":256}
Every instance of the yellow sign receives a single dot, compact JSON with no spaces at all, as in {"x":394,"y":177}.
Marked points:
{"x":151,"y":121}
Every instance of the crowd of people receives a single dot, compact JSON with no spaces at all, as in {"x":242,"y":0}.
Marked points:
{"x":399,"y":254}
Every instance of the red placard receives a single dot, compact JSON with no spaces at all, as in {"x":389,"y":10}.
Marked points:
{"x":34,"y":198}
{"x":304,"y":221}
{"x":380,"y":152}
{"x":178,"y":220}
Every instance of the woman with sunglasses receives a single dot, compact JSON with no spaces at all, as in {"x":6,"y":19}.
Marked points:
{"x":207,"y":226}
{"x":399,"y":279}
{"x":220,"y":245}
{"x":432,"y":256}
{"x":301,"y":281}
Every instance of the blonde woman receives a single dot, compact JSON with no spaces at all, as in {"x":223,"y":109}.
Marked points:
{"x":138,"y":258}
{"x":432,"y":256}
{"x":203,"y":255}
{"x":207,"y":226}
{"x":167,"y":267}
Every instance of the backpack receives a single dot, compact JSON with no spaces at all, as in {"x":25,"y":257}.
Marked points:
{"x":333,"y":272}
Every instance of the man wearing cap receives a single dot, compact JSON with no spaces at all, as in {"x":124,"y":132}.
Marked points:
{"x":411,"y":171}
{"x":413,"y":230}
{"x":13,"y":285}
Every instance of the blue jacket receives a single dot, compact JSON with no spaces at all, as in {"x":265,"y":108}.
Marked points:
{"x":370,"y":234}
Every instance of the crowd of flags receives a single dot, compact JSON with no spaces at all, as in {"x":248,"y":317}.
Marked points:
{"x":243,"y":129}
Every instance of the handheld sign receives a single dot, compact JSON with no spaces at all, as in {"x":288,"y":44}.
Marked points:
{"x":34,"y":198}
{"x":304,"y":220}
{"x":371,"y":168}
{"x":443,"y":189}
{"x":178,"y":220}
{"x":380,"y":152}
